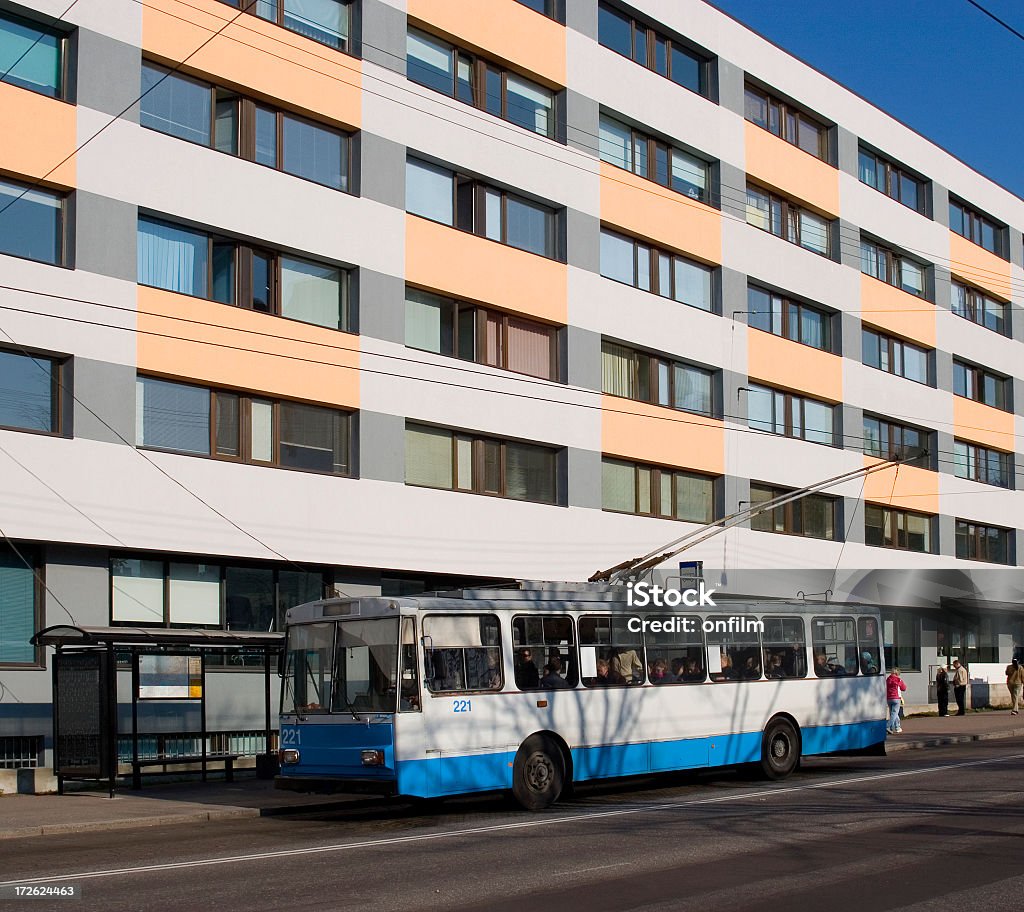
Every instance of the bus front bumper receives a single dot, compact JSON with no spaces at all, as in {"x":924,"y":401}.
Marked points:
{"x":334,"y":785}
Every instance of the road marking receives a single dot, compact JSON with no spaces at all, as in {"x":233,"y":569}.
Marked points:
{"x":618,"y":864}
{"x":503,"y":827}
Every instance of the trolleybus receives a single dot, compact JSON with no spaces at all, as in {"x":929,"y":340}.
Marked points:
{"x":535,"y":687}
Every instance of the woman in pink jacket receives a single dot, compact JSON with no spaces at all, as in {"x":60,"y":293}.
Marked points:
{"x":894,"y":686}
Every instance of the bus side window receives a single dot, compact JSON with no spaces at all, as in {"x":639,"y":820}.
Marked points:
{"x":870,"y":654}
{"x":739,"y":651}
{"x":675,"y":654}
{"x":409,"y":680}
{"x":545,"y":652}
{"x":785,"y":647}
{"x":835,"y":646}
{"x":618,"y":652}
{"x":464,"y":653}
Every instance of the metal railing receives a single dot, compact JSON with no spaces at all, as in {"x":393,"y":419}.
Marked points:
{"x":21,"y":751}
{"x":171,"y":745}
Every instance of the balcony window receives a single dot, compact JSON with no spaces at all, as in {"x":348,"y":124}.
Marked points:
{"x":33,"y":223}
{"x":29,"y":393}
{"x":977,"y":228}
{"x":895,"y":356}
{"x":979,"y":463}
{"x":656,"y":491}
{"x":981,"y":385}
{"x":31,"y":56}
{"x":787,"y":220}
{"x":813,"y":516}
{"x":891,"y":267}
{"x":789,"y":319}
{"x":892,"y":180}
{"x":634,"y":374}
{"x":978,"y":307}
{"x":901,"y":529}
{"x":983,"y":543}
{"x":637,"y":263}
{"x":787,"y":122}
{"x":790,"y":415}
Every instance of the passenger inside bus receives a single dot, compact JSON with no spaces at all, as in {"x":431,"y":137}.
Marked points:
{"x":629,"y":665}
{"x":693,"y":671}
{"x":658,"y":673}
{"x":606,"y":675}
{"x":552,"y":680}
{"x":527,"y":677}
{"x":751,"y":670}
{"x":821,"y":667}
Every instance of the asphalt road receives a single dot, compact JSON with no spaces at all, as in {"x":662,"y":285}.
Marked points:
{"x":922,"y":829}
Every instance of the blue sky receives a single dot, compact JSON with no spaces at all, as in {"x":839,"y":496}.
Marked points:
{"x":941,"y":66}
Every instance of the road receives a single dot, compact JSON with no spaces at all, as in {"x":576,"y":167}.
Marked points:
{"x":921,"y":829}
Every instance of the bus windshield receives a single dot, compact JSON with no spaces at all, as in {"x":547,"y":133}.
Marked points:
{"x":343,"y":667}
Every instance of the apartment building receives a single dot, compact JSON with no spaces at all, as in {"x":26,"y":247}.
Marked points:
{"x":381,"y":295}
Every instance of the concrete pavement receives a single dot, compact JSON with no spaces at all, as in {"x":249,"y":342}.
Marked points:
{"x":193,"y":802}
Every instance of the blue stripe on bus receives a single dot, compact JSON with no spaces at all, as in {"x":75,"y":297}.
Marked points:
{"x":336,"y":750}
{"x":486,"y":772}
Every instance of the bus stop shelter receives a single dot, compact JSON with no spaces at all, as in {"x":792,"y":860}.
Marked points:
{"x":165,"y":663}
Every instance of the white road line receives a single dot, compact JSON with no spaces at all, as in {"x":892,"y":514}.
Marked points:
{"x":618,"y":864}
{"x":502,"y":827}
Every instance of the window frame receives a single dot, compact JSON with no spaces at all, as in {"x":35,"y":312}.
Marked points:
{"x":427,"y":657}
{"x":975,"y":536}
{"x":33,"y":557}
{"x":893,"y":351}
{"x":249,"y":7}
{"x":58,"y":373}
{"x":897,"y":520}
{"x":654,"y":485}
{"x":245,"y":402}
{"x":786,"y":318}
{"x":892,"y":177}
{"x":572,"y":669}
{"x":61,"y":92}
{"x":790,"y":401}
{"x":62,"y":239}
{"x":789,"y":225}
{"x":888,"y":432}
{"x":975,"y":378}
{"x":790,"y":511}
{"x":788,"y":116}
{"x":977,"y":455}
{"x":972,"y":228}
{"x":893,"y":266}
{"x":976,"y":307}
{"x":655,"y":363}
{"x":653,"y":38}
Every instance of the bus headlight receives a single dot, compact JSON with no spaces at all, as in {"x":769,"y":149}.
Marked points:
{"x":289,"y":755}
{"x":373,"y":758}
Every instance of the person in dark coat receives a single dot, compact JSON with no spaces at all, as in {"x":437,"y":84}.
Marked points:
{"x":942,"y":691}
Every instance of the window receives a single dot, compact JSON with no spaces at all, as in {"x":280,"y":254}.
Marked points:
{"x":326,"y":21}
{"x":471,"y":205}
{"x":813,"y":516}
{"x":221,"y":269}
{"x":790,"y":319}
{"x":983,"y":543}
{"x":978,"y":228}
{"x":438,"y":458}
{"x":902,"y":639}
{"x":462,"y":330}
{"x":981,"y":464}
{"x":29,"y":393}
{"x":33,"y":223}
{"x":545,"y":652}
{"x":203,"y":422}
{"x":634,"y":374}
{"x":546,"y":7}
{"x":610,"y":653}
{"x":462,"y":653}
{"x":978,"y":307}
{"x":790,"y":415}
{"x":895,"y":356}
{"x":889,"y":528}
{"x":653,"y":491}
{"x":787,"y":122}
{"x":981,"y":385}
{"x":31,"y":56}
{"x":675,"y":654}
{"x":442,"y":67}
{"x":787,"y":220}
{"x":661,"y":162}
{"x":649,"y":269}
{"x":834,"y":642}
{"x":20,"y":614}
{"x":738,"y":654}
{"x":870,"y":654}
{"x":892,"y":268}
{"x":219,"y":118}
{"x":892,"y":180}
{"x":668,"y":57}
{"x":785,"y":647}
{"x":187,"y":591}
{"x":888,"y":440}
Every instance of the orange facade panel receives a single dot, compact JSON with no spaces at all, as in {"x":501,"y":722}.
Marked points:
{"x":651,"y":433}
{"x":466,"y":266}
{"x":976,"y":266}
{"x":897,"y":312}
{"x":648,"y":210}
{"x":254,"y":56}
{"x":38,"y":133}
{"x":983,"y":424}
{"x":910,"y":488}
{"x":202,"y":341}
{"x":784,"y":167}
{"x":790,"y":365}
{"x":501,"y":29}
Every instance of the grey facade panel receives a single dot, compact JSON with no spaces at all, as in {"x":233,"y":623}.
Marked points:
{"x":581,"y":122}
{"x":730,"y":84}
{"x":848,"y":151}
{"x":104,"y":236}
{"x":581,"y":16}
{"x":382,"y":35}
{"x":381,"y":447}
{"x":583,"y":239}
{"x":104,"y":401}
{"x":384,"y":182}
{"x":108,"y":74}
{"x":582,"y":358}
{"x":584,"y":478}
{"x":381,"y":306}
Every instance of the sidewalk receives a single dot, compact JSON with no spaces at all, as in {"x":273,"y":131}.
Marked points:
{"x":194,"y":802}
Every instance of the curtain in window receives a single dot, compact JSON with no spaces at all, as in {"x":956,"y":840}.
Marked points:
{"x":618,"y":375}
{"x":17,"y":607}
{"x":869,"y":261}
{"x":172,"y":258}
{"x":429,"y":62}
{"x":493,"y":345}
{"x":614,"y":143}
{"x":693,"y":284}
{"x":758,"y":209}
{"x":529,"y":348}
{"x":529,"y":473}
{"x":313,"y":438}
{"x":689,"y":174}
{"x":692,"y":389}
{"x":527,"y":226}
{"x":529,"y":105}
{"x":428,"y":322}
{"x":195,"y":595}
{"x":814,"y":233}
{"x":756,"y":109}
{"x":428,"y":191}
{"x":311,"y":292}
{"x":428,"y":457}
{"x":175,"y":105}
{"x":325,"y":21}
{"x":617,"y":258}
{"x":911,"y":277}
{"x":30,"y":58}
{"x":694,"y":497}
{"x":26,"y":392}
{"x":137,"y":590}
{"x":314,"y":153}
{"x":172,"y":416}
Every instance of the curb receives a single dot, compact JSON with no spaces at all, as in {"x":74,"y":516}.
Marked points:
{"x":946,"y":740}
{"x":56,"y":829}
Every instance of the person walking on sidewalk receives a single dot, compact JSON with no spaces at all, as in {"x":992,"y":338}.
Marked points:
{"x":942,"y":690}
{"x":1015,"y":684}
{"x":960,"y":687}
{"x":894,"y":687}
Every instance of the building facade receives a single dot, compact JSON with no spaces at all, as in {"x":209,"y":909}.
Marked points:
{"x":384,"y":294}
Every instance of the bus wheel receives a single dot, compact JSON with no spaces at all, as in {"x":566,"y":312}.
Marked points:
{"x":780,"y":749}
{"x":538,"y":773}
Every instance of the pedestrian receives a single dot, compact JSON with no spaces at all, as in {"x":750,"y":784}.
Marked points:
{"x":960,"y":687}
{"x":942,"y":690}
{"x":894,"y":687}
{"x":1015,"y":684}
